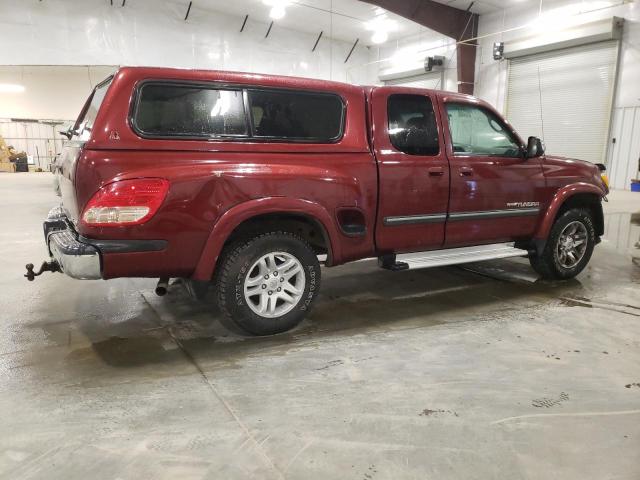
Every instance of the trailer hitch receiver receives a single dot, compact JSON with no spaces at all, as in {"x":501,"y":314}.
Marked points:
{"x":51,"y":266}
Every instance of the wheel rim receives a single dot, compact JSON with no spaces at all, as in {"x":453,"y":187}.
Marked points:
{"x":274,"y":285}
{"x":572,"y":244}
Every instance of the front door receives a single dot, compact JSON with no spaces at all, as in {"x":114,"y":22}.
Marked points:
{"x":495,"y":191}
{"x":413,"y":170}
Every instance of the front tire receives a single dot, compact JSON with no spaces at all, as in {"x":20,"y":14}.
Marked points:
{"x":267,"y":285}
{"x":569,"y":246}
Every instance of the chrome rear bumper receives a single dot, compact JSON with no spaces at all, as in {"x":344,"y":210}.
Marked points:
{"x":76,"y":259}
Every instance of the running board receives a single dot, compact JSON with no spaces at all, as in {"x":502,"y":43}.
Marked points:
{"x":451,"y":256}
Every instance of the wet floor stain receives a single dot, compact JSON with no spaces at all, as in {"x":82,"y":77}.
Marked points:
{"x":427,"y":412}
{"x":371,"y":472}
{"x":330,"y":364}
{"x":546,"y":402}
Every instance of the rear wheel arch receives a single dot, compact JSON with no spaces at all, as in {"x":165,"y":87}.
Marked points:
{"x":305,"y":226}
{"x":260,"y":215}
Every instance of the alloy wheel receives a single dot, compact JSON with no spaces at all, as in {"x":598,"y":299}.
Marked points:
{"x":572,"y":244}
{"x":274,"y":285}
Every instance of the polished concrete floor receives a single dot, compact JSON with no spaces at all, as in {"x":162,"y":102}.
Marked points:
{"x":479,"y":372}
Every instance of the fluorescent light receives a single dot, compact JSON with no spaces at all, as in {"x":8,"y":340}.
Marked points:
{"x":380,"y":36}
{"x":277,"y":12}
{"x":11,"y":88}
{"x":381,"y":25}
{"x":277,"y":8}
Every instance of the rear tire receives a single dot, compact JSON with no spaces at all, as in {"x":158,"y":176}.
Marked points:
{"x":569,"y":246}
{"x":267,"y":284}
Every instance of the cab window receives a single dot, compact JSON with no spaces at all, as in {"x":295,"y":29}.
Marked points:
{"x":477,"y":131}
{"x":412,"y":124}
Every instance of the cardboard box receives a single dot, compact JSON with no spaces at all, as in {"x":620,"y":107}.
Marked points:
{"x":4,"y":150}
{"x":7,"y":167}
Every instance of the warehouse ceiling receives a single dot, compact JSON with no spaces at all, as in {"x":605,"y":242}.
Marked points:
{"x":351,"y":18}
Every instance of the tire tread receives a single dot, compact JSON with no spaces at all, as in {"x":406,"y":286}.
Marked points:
{"x":227,"y":259}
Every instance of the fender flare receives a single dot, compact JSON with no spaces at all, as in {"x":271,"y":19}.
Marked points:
{"x":232,"y":218}
{"x":560,"y":197}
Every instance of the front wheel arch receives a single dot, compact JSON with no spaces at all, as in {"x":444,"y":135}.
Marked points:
{"x":548,"y":261}
{"x":582,"y":195}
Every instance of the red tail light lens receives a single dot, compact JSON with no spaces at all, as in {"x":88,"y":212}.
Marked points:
{"x":126,"y":202}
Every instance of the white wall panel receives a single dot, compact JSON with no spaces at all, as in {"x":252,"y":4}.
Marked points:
{"x":431,"y":80}
{"x":153,"y":32}
{"x":408,"y":55}
{"x":624,"y":154}
{"x":51,"y":92}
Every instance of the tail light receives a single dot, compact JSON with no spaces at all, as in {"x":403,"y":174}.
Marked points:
{"x":125,"y":202}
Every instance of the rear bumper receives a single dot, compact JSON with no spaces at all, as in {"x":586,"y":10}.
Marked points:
{"x":83,"y":258}
{"x":77,"y":259}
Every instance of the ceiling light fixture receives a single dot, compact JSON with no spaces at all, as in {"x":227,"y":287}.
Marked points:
{"x":380,"y":36}
{"x":277,"y":12}
{"x":11,"y":88}
{"x":278,"y":8}
{"x":381,"y":25}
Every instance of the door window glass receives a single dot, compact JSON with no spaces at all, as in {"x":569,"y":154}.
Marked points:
{"x":476,"y":131}
{"x":412,"y":124}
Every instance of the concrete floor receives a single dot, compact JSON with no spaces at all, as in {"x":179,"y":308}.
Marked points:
{"x":455,"y":373}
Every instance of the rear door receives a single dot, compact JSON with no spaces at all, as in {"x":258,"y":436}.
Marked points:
{"x":495,"y":191}
{"x":413,"y":170}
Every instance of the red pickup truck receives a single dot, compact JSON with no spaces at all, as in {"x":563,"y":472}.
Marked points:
{"x":249,"y":181}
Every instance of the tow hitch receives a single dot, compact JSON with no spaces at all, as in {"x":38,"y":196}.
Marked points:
{"x":51,"y":266}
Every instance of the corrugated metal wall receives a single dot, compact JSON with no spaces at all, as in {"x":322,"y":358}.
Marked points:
{"x":564,"y":97}
{"x":624,"y":154}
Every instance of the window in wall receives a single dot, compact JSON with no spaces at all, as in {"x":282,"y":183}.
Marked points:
{"x":476,"y":131}
{"x":190,"y":111}
{"x":412,"y":124}
{"x":312,"y":117}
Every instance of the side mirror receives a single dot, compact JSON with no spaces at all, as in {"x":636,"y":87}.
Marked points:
{"x":535,"y":147}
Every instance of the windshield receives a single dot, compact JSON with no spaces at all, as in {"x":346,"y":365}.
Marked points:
{"x":85,"y":122}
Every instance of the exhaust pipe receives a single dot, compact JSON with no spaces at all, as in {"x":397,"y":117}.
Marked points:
{"x":161,"y":287}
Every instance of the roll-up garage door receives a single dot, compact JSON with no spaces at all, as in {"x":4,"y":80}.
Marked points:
{"x":564,"y":97}
{"x":431,"y":80}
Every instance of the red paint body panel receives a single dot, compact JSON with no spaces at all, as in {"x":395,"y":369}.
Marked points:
{"x":406,"y":186}
{"x":566,"y":177}
{"x":482,"y":183}
{"x":215,"y":185}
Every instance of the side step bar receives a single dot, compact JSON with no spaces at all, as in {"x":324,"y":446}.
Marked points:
{"x":451,"y":256}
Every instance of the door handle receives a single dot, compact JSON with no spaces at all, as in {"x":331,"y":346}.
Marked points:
{"x":436,"y":171}
{"x":465,"y":171}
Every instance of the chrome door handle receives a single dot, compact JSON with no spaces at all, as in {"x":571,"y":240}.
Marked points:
{"x":436,"y":171}
{"x":465,"y":171}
